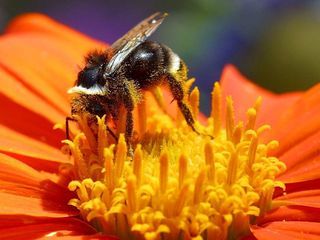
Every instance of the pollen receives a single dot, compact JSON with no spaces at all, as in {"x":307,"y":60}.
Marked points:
{"x":177,"y":184}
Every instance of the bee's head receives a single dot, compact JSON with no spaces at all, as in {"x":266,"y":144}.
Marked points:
{"x":91,"y":80}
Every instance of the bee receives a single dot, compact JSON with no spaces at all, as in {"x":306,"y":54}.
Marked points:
{"x":118,"y":76}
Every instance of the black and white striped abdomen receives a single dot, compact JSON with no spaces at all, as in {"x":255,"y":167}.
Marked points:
{"x":173,"y":61}
{"x":149,"y":62}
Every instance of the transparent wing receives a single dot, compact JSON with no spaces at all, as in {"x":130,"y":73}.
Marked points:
{"x":137,"y":35}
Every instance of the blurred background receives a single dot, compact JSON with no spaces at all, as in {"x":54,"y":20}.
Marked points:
{"x":275,"y":43}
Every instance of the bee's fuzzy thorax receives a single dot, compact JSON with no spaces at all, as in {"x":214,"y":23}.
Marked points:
{"x":97,"y":58}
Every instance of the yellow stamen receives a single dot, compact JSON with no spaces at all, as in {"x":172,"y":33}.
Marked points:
{"x":252,"y":114}
{"x":188,"y":84}
{"x":181,"y":200}
{"x":232,"y":168}
{"x":131,"y":192}
{"x":85,"y":127}
{"x":198,"y":188}
{"x":209,"y":156}
{"x":109,"y":166}
{"x":178,"y":185}
{"x":216,"y":108}
{"x":252,"y":153}
{"x":183,"y":168}
{"x":164,"y":168}
{"x":194,"y":102}
{"x":237,"y":133}
{"x":257,"y":104}
{"x":102,"y":138}
{"x":121,"y":156}
{"x":80,"y":165}
{"x":229,"y":118}
{"x":137,"y":164}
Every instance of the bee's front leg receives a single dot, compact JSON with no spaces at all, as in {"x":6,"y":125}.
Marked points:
{"x":67,"y":126}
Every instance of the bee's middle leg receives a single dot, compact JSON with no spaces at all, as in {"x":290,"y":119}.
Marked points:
{"x":129,"y":104}
{"x":179,"y":95}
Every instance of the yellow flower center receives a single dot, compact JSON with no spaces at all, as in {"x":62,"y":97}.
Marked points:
{"x":178,"y":184}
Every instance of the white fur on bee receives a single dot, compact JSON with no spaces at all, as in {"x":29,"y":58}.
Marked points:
{"x":174,"y":62}
{"x":94,"y":90}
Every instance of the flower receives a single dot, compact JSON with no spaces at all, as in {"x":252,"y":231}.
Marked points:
{"x":178,"y":183}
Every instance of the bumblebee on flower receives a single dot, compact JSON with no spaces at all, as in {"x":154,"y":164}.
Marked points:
{"x":178,"y":184}
{"x":111,"y":81}
{"x":165,"y":190}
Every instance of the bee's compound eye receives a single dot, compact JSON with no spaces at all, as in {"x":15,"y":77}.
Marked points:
{"x":88,"y":77}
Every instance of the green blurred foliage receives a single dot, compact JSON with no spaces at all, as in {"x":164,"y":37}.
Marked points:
{"x":287,"y":55}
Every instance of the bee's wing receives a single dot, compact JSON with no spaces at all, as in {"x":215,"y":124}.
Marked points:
{"x":137,"y":35}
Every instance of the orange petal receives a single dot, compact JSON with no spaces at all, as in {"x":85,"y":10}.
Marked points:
{"x":27,"y":191}
{"x":18,"y":93}
{"x":12,"y":204}
{"x":287,"y":231}
{"x":302,"y":186}
{"x":57,"y":58}
{"x":38,"y":154}
{"x":22,"y":227}
{"x":245,"y":93}
{"x":292,"y":213}
{"x":298,"y":132}
{"x":49,"y":43}
{"x":24,"y":121}
{"x":299,"y":123}
{"x":310,"y":198}
{"x":304,"y":171}
{"x":24,"y":67}
{"x":12,"y":170}
{"x":302,"y":160}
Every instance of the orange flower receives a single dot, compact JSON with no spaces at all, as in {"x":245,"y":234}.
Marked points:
{"x":39,"y":63}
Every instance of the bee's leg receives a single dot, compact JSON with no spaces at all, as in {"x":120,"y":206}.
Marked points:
{"x":129,"y":132}
{"x":130,"y":92}
{"x":67,"y":126}
{"x":112,"y":134}
{"x":178,"y":94}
